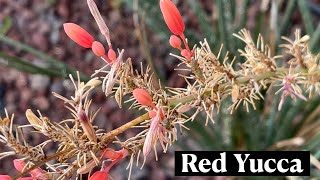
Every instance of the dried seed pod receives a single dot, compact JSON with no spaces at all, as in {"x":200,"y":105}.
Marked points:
{"x":87,"y":126}
{"x":93,"y":83}
{"x":118,"y":97}
{"x":305,"y":38}
{"x":4,"y":121}
{"x":34,"y":120}
{"x":235,"y":92}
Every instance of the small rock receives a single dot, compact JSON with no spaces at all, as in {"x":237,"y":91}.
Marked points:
{"x":40,"y":41}
{"x":39,"y":82}
{"x":41,"y":103}
{"x":10,"y":76}
{"x":25,"y":94}
{"x":68,"y":85}
{"x":57,"y":87}
{"x":21,"y":81}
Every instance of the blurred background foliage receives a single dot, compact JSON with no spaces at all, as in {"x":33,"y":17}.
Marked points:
{"x":295,"y":127}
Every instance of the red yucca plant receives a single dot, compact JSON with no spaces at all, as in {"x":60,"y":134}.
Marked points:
{"x":211,"y":80}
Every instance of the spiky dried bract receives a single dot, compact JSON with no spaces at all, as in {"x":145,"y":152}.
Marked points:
{"x":303,"y":58}
{"x":297,"y":48}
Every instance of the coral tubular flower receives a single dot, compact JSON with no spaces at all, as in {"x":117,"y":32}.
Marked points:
{"x":78,"y":34}
{"x":99,"y":175}
{"x":172,"y":17}
{"x":155,"y":132}
{"x":20,"y":164}
{"x":5,"y":177}
{"x":113,"y":155}
{"x":143,"y":97}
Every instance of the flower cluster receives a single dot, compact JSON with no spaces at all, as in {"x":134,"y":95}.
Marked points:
{"x":84,"y":39}
{"x":173,"y":19}
{"x":212,"y":80}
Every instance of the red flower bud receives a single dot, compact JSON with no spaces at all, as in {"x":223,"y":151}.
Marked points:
{"x":98,"y":48}
{"x":172,"y":17}
{"x":112,"y":55}
{"x":143,"y":97}
{"x":175,"y":41}
{"x":78,"y":34}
